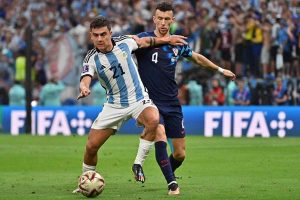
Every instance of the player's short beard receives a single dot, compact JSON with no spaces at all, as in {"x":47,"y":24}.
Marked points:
{"x":163,"y":33}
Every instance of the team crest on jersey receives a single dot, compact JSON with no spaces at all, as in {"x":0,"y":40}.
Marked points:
{"x":124,"y":54}
{"x":175,"y":50}
{"x":174,"y":59}
{"x":85,"y":68}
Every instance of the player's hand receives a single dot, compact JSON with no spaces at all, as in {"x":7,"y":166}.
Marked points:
{"x":229,"y":74}
{"x":136,"y":38}
{"x":177,"y":40}
{"x":84,"y":91}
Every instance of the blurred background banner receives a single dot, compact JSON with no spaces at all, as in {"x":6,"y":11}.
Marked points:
{"x":61,"y":55}
{"x":252,"y":121}
{"x":234,"y":121}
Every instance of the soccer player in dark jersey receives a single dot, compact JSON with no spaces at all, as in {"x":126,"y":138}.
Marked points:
{"x":157,"y":70}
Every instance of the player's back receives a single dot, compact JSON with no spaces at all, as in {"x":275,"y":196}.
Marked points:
{"x":50,"y":94}
{"x":157,"y":70}
{"x":17,"y":95}
{"x":117,"y":72}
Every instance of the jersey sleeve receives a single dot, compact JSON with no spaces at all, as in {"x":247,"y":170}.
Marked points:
{"x":88,"y":66}
{"x":143,"y":34}
{"x":186,"y":51}
{"x":131,"y":44}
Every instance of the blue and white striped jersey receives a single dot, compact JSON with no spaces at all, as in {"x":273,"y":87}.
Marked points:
{"x":117,"y":72}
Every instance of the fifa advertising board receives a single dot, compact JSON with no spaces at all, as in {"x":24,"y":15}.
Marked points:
{"x":258,"y":121}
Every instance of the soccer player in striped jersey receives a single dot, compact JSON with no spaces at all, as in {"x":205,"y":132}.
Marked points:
{"x":127,"y":97}
{"x":157,"y":70}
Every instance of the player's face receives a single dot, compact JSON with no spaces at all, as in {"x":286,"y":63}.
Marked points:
{"x":101,"y":38}
{"x":163,"y":21}
{"x":241,"y":85}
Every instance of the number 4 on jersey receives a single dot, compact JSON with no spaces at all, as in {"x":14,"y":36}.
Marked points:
{"x":154,"y":57}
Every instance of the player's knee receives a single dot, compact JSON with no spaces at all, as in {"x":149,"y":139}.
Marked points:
{"x":160,"y":135}
{"x":179,"y":155}
{"x":152,"y":123}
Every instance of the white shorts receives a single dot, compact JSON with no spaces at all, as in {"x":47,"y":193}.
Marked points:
{"x":113,"y":116}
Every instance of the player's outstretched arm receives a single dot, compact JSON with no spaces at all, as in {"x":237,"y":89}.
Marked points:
{"x":204,"y":62}
{"x":84,"y":87}
{"x":154,"y":41}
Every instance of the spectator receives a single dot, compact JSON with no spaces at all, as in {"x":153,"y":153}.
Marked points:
{"x":227,"y":32}
{"x":257,"y":43}
{"x":265,"y":54}
{"x":216,"y":95}
{"x":280,"y":93}
{"x":241,"y":95}
{"x":17,"y":95}
{"x":231,"y":87}
{"x":195,"y":93}
{"x":50,"y":93}
{"x":183,"y":94}
{"x":3,"y":94}
{"x":6,"y":72}
{"x":20,"y":66}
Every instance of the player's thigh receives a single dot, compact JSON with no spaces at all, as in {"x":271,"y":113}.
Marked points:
{"x":97,"y":137}
{"x":111,"y":117}
{"x":146,"y":113}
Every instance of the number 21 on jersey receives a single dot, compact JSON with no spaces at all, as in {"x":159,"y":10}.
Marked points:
{"x":117,"y":70}
{"x":154,"y":57}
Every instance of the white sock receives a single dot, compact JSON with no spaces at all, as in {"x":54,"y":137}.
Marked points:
{"x":86,"y":168}
{"x":143,"y":151}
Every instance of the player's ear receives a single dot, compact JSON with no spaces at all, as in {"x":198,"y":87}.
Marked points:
{"x":90,"y":35}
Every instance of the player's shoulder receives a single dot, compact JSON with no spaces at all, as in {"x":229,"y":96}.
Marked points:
{"x":121,"y":38}
{"x":185,"y":50}
{"x":89,"y":55}
{"x":146,"y":34}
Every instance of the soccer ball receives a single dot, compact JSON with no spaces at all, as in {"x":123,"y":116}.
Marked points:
{"x":91,"y":184}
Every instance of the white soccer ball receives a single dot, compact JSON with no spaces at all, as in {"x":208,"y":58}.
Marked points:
{"x":91,"y":184}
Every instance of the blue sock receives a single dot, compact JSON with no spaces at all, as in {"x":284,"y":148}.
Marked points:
{"x":163,"y":160}
{"x":174,"y":163}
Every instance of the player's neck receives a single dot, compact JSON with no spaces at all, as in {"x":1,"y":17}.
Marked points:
{"x":157,"y":34}
{"x":109,"y":48}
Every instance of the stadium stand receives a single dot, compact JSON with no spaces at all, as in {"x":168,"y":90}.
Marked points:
{"x":257,"y":39}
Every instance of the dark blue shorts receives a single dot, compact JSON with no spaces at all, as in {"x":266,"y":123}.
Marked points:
{"x":172,"y":118}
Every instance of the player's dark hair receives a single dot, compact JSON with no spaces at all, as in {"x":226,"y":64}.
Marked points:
{"x":164,"y":6}
{"x":99,"y":22}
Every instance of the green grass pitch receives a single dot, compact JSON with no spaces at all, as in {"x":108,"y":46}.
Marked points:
{"x":46,"y":168}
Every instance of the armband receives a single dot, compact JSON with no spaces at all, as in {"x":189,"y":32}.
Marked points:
{"x":152,"y":41}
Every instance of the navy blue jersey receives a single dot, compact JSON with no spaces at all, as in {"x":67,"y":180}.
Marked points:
{"x":156,"y":67}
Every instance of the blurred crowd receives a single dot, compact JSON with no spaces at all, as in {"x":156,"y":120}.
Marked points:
{"x":256,"y":39}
